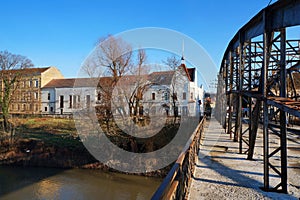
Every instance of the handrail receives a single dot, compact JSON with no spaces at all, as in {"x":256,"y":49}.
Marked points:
{"x":176,"y":184}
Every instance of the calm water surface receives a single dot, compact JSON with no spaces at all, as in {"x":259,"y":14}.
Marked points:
{"x":47,"y":183}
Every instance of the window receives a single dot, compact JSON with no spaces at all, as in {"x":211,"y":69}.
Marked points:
{"x":46,"y":108}
{"x":36,"y":95}
{"x":30,"y":83}
{"x":192,"y":96}
{"x":184,"y":96}
{"x":49,"y":96}
{"x":51,"y":109}
{"x":70,"y":101}
{"x":99,"y":96}
{"x":153,"y":96}
{"x":61,"y":101}
{"x":88,"y":101}
{"x":36,"y":83}
{"x":166,"y":96}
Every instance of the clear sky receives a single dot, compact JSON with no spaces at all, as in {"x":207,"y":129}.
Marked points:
{"x":63,"y":32}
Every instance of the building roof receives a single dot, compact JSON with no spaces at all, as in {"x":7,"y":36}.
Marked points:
{"x":156,"y":78}
{"x":191,"y":72}
{"x":161,"y":78}
{"x":71,"y":82}
{"x":27,"y":71}
{"x":79,"y":82}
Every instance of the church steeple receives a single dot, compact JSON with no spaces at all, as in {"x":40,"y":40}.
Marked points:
{"x":182,"y":57}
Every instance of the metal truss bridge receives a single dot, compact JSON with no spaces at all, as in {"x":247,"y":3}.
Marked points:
{"x":259,"y":77}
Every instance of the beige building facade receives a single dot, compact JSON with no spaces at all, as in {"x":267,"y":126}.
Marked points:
{"x":26,"y":96}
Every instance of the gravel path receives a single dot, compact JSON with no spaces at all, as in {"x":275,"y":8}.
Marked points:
{"x":222,"y":173}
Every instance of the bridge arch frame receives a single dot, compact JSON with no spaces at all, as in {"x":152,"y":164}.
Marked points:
{"x":256,"y":67}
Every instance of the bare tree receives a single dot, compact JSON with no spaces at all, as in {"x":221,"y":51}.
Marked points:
{"x":131,"y":88}
{"x":110,"y":61}
{"x":11,"y":66}
{"x":114,"y":54}
{"x":173,"y":63}
{"x":91,"y":69}
{"x":141,"y":84}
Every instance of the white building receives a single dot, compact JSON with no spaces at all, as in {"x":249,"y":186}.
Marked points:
{"x":196,"y":93}
{"x":62,"y":96}
{"x":161,"y":92}
{"x":169,"y":90}
{"x":164,"y":92}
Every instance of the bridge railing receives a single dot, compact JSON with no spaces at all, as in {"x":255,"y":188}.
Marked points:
{"x":176,"y":184}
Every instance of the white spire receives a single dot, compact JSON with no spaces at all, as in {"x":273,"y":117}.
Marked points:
{"x":182,"y":57}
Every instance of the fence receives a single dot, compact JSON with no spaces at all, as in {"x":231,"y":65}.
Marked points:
{"x":176,"y":183}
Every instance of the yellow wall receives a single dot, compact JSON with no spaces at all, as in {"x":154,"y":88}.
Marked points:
{"x":48,"y":75}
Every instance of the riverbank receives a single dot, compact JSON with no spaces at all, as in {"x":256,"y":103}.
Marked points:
{"x":48,"y":142}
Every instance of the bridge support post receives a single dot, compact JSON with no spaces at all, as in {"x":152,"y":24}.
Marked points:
{"x":230,"y":96}
{"x":240,"y":81}
{"x":283,"y":122}
{"x":264,"y":76}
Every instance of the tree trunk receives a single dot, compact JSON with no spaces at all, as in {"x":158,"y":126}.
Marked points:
{"x":175,"y":112}
{"x":5,"y":119}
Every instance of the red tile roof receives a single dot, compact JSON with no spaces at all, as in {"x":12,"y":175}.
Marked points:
{"x":156,"y":78}
{"x":79,"y":82}
{"x":71,"y":82}
{"x":186,"y":71}
{"x":29,"y":71}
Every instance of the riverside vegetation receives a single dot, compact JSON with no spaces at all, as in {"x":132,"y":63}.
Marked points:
{"x":54,"y":142}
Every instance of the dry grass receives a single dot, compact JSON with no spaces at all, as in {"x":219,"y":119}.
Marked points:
{"x":51,"y":131}
{"x":49,"y":125}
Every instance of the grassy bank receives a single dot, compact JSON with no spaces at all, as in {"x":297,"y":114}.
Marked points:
{"x":53,"y":142}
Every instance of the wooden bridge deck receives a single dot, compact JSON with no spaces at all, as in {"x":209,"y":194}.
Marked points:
{"x":222,"y":173}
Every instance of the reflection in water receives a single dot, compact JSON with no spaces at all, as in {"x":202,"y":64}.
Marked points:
{"x":43,"y":183}
{"x":47,"y":189}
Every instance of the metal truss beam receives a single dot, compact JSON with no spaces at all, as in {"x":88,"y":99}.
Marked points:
{"x":257,"y":73}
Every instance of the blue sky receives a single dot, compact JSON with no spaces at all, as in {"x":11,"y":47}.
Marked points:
{"x":62,"y":33}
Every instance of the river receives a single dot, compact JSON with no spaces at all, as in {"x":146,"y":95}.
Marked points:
{"x":49,"y":183}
